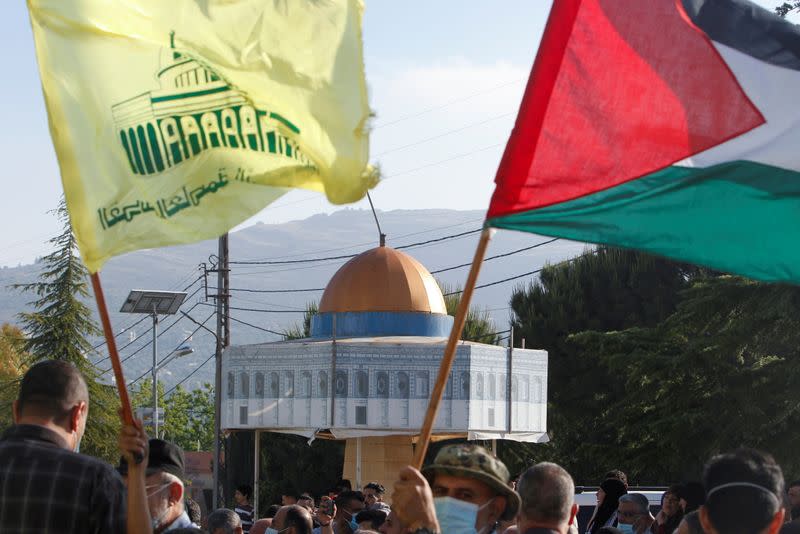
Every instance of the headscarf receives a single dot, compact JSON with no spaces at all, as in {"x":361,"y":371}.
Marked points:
{"x":614,"y":489}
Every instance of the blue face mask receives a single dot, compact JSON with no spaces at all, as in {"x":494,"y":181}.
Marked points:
{"x":455,"y":517}
{"x":627,"y":529}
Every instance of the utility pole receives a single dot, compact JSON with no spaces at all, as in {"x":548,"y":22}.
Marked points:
{"x":223,"y":340}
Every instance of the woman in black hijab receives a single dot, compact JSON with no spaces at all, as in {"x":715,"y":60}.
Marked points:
{"x":605,"y":514}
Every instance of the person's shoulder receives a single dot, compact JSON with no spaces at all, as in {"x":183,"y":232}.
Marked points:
{"x":89,"y":464}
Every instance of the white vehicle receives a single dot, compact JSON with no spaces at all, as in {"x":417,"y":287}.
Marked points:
{"x":586,"y":499}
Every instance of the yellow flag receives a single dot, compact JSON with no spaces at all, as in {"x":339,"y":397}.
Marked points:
{"x":174,"y":120}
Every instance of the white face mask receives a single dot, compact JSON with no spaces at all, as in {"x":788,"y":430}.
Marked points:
{"x":271,"y":530}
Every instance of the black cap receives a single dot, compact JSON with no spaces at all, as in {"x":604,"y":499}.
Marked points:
{"x":164,"y":457}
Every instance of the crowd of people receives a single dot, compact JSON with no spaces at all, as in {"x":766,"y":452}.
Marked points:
{"x":47,"y":486}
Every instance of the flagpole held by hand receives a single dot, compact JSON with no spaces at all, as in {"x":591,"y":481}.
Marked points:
{"x":450,"y":350}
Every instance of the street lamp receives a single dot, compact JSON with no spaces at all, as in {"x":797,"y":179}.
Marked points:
{"x":154,"y":303}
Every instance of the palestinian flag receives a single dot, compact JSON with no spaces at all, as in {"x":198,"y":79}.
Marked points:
{"x":671,"y":126}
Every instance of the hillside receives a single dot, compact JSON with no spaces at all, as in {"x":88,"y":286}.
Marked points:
{"x":321,"y":236}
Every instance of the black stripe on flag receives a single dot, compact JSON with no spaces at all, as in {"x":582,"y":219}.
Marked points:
{"x":748,"y":28}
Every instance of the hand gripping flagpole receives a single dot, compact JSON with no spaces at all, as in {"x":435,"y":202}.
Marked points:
{"x":450,"y":350}
{"x":127,"y":413}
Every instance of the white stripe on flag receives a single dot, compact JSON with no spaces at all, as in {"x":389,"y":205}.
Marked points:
{"x":774,"y":91}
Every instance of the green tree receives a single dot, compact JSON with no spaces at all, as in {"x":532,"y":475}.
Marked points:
{"x":59,"y":329}
{"x":607,"y":289}
{"x":715,"y":375}
{"x":13,"y":364}
{"x":302,"y":331}
{"x":478,"y":326}
{"x":189,"y":415}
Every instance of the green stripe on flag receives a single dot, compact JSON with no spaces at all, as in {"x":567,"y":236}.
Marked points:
{"x":740,"y":216}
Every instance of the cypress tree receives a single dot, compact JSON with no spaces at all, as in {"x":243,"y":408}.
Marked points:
{"x":59,"y":328}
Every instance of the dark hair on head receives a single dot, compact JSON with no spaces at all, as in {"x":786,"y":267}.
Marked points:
{"x":694,"y":493}
{"x":344,"y":485}
{"x":790,"y":528}
{"x":51,"y":389}
{"x":299,"y":518}
{"x":245,"y":489}
{"x":675,"y":489}
{"x":193,"y":510}
{"x":743,"y":509}
{"x":271,"y":511}
{"x":223,"y":518}
{"x":793,"y":484}
{"x":375,"y":517}
{"x":619,"y":475}
{"x":379,"y":489}
{"x":344,"y":499}
{"x":547,"y":492}
{"x":186,"y":530}
{"x":614,"y":488}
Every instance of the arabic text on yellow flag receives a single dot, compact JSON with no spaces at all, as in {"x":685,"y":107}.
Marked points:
{"x":175,"y":120}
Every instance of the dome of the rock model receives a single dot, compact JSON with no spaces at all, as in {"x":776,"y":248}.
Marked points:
{"x":383,"y":280}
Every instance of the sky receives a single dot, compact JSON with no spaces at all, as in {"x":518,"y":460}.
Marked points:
{"x":445,"y":80}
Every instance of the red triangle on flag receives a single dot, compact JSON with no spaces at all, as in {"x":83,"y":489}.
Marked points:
{"x":619,"y":90}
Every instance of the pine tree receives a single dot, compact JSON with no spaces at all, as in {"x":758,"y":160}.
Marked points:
{"x":59,"y":329}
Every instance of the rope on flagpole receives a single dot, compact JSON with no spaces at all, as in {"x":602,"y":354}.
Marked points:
{"x":450,"y":350}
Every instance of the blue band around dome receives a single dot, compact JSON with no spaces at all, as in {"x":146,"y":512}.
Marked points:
{"x":378,"y":324}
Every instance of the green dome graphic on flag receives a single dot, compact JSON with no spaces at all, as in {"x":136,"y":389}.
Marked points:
{"x":195,"y":109}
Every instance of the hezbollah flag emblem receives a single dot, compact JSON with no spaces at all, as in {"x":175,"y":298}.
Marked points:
{"x":174,"y":121}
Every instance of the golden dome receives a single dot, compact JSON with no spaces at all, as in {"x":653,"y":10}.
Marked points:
{"x":382,"y":279}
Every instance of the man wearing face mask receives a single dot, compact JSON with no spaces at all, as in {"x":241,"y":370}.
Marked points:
{"x":348,"y":504}
{"x":470,"y":493}
{"x":44,"y":485}
{"x":165,"y":494}
{"x":633,"y":514}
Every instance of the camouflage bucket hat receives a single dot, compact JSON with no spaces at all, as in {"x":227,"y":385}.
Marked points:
{"x":473,"y":461}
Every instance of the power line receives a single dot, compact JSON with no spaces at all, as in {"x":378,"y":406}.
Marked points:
{"x":408,"y":171}
{"x":125,"y":329}
{"x":258,"y":327}
{"x":165,"y":358}
{"x":258,"y":310}
{"x":490,"y":258}
{"x":140,"y":349}
{"x":446,"y":104}
{"x":302,"y":290}
{"x":523,"y":275}
{"x":187,"y":377}
{"x":356,"y":245}
{"x":446,"y":133}
{"x":504,"y":280}
{"x":348,"y":256}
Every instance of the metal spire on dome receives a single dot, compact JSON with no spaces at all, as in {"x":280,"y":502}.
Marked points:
{"x":381,"y":235}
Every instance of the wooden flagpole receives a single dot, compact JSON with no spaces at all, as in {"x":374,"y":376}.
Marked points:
{"x":450,"y":350}
{"x":127,"y":414}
